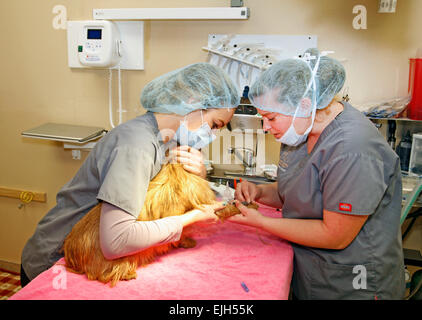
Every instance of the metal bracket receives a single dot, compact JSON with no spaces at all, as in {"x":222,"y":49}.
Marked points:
{"x":236,"y":3}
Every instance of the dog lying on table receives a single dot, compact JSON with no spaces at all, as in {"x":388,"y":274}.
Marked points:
{"x":173,"y":191}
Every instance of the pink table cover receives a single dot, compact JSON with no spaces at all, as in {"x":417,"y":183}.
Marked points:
{"x":226,"y":255}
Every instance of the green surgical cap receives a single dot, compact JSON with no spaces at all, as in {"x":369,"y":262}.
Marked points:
{"x":194,"y":87}
{"x":283,"y":86}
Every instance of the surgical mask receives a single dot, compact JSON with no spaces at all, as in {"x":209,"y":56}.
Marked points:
{"x":197,"y":139}
{"x":291,"y":137}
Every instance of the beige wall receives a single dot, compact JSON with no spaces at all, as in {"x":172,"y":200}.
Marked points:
{"x":36,"y":85}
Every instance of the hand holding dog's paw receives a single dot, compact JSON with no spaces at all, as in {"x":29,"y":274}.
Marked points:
{"x":230,"y":210}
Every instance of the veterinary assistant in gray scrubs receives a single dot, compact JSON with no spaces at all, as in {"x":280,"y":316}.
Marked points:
{"x":339,"y":185}
{"x":121,"y":165}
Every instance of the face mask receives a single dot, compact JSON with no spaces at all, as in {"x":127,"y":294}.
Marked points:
{"x":290,"y":137}
{"x":197,"y":139}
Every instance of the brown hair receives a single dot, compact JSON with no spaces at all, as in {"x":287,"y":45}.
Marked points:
{"x":323,"y":113}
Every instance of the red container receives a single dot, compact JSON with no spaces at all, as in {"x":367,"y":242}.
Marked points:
{"x":414,"y":110}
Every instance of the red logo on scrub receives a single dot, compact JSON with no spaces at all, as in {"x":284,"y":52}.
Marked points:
{"x":345,"y":207}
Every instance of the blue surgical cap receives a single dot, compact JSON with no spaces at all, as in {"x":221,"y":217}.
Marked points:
{"x":283,"y":86}
{"x":197,"y":86}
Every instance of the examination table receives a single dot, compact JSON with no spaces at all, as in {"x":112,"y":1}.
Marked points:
{"x":230,"y":262}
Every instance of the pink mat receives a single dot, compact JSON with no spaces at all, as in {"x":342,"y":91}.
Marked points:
{"x":226,"y":255}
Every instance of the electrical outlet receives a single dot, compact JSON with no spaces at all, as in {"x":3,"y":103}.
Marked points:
{"x":387,"y":6}
{"x":76,"y":154}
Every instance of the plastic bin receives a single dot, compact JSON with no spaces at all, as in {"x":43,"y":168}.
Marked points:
{"x":415,"y":88}
{"x":415,"y":164}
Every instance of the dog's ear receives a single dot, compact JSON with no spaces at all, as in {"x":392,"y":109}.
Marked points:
{"x":175,"y":191}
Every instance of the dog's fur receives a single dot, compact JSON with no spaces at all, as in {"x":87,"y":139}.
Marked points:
{"x":174,"y":191}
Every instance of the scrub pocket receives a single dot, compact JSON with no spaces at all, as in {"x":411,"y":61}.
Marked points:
{"x":342,"y":282}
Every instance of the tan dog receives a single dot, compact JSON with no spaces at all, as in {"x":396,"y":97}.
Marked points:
{"x":173,"y":191}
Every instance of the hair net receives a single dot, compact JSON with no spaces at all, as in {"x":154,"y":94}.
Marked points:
{"x":283,"y":87}
{"x":197,"y":86}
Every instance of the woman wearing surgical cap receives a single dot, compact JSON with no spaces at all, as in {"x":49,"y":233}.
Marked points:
{"x":339,"y":185}
{"x":184,"y":106}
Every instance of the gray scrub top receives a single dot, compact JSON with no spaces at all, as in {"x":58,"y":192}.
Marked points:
{"x":117,"y":170}
{"x":351,"y":170}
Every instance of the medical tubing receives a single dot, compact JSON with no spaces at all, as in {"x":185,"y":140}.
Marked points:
{"x":110,"y":102}
{"x":110,"y":97}
{"x":410,"y":201}
{"x":120,"y":94}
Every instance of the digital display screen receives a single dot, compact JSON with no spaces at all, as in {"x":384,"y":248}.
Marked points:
{"x":94,"y":34}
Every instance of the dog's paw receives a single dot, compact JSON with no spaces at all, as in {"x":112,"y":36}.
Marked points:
{"x":231,"y":210}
